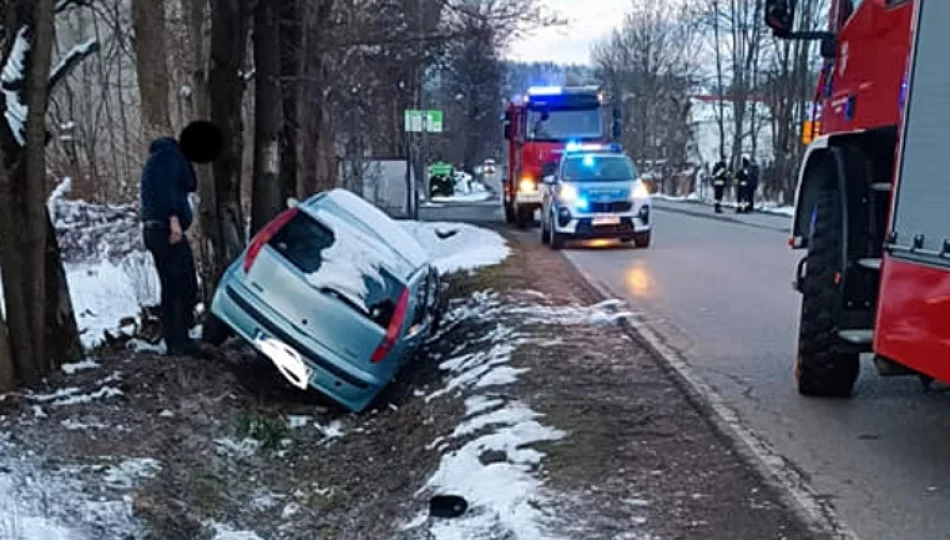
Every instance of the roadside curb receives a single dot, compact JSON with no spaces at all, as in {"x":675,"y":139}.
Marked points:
{"x":792,"y":488}
{"x":667,"y":206}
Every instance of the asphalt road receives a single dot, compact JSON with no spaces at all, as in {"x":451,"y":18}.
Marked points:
{"x":719,"y":292}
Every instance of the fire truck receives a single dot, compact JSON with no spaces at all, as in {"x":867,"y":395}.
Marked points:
{"x":872,"y":209}
{"x":537,"y":127}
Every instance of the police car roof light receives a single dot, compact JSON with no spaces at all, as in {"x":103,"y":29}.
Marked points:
{"x":545,"y":91}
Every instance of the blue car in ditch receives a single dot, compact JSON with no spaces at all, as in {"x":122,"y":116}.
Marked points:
{"x":335,"y":293}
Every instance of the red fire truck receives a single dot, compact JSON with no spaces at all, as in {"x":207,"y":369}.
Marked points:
{"x":537,"y":127}
{"x":873,"y":198}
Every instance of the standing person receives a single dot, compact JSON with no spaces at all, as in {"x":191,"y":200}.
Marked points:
{"x":742,"y":187}
{"x":168,"y":177}
{"x":753,"y":183}
{"x":720,"y":175}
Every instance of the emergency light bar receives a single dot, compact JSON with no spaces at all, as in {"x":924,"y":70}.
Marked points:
{"x":545,"y":91}
{"x":572,"y":147}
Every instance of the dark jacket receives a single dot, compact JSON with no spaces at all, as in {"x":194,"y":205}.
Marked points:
{"x":167,"y":179}
{"x":754,"y":174}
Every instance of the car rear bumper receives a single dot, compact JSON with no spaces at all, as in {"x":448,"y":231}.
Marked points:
{"x":331,"y":375}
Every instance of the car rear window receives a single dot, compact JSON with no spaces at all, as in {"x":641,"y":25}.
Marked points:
{"x":301,"y":242}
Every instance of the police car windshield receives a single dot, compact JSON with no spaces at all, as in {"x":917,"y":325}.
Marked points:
{"x":598,"y":168}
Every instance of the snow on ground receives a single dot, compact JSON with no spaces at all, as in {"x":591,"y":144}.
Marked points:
{"x":458,"y":247}
{"x":766,"y":207}
{"x":494,"y":467}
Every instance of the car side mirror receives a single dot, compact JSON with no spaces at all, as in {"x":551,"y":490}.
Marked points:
{"x":549,"y":180}
{"x":292,"y":202}
{"x":780,"y":16}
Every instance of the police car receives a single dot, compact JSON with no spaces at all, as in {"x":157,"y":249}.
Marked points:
{"x":595,"y":192}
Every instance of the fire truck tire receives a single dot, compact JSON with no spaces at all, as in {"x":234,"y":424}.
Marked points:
{"x":523,"y":217}
{"x":509,"y":214}
{"x":821,"y":368}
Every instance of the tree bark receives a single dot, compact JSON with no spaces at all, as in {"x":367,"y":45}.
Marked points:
{"x":291,"y":46}
{"x":268,"y":117}
{"x":315,"y":163}
{"x":222,"y":217}
{"x":148,"y":22}
{"x":35,"y":179}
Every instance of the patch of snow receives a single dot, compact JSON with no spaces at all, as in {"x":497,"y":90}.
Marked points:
{"x":80,"y":49}
{"x":348,"y":262}
{"x":54,"y":504}
{"x":243,"y":448}
{"x":74,"y":425}
{"x":166,"y":414}
{"x":381,"y":224}
{"x":12,"y":77}
{"x":104,"y":392}
{"x":334,"y":430}
{"x":295,"y":421}
{"x":69,"y":369}
{"x":464,"y":247}
{"x":102,"y":294}
{"x":226,"y":532}
{"x":139,"y":345}
{"x":127,"y":473}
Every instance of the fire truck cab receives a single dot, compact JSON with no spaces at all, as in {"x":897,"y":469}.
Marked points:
{"x":537,"y":127}
{"x":873,"y":197}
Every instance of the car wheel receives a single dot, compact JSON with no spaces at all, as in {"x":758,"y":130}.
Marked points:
{"x":821,"y":368}
{"x":214,"y":331}
{"x":545,"y":232}
{"x":557,"y":240}
{"x":642,"y":240}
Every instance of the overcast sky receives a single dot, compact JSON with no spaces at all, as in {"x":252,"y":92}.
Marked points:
{"x":588,"y":22}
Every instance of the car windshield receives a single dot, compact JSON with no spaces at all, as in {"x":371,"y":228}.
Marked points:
{"x":591,"y":168}
{"x":561,"y":125}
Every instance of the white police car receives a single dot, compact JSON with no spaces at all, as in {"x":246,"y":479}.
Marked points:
{"x":595,"y":192}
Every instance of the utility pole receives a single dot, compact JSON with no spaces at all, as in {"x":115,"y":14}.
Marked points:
{"x":424,"y":151}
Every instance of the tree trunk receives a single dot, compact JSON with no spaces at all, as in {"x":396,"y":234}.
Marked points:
{"x":148,"y":22}
{"x":315,"y":163}
{"x":266,"y":201}
{"x":222,"y":218}
{"x":291,"y":46}
{"x":35,"y":180}
{"x":62,"y":333}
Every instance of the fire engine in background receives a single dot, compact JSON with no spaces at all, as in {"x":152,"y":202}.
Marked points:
{"x":537,"y":126}
{"x":873,"y":195}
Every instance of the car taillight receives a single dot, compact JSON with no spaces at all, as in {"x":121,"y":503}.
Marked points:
{"x":392,"y":331}
{"x":265,"y":234}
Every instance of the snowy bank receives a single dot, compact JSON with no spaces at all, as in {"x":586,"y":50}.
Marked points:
{"x":456,"y":247}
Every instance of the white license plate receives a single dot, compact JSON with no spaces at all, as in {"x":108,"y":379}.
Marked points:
{"x":606,"y":220}
{"x":287,"y":360}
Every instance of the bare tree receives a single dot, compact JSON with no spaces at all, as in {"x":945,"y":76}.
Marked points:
{"x":148,"y":19}
{"x":268,"y":116}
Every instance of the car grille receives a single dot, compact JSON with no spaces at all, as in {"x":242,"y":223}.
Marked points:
{"x":584,"y":226}
{"x":611,"y":207}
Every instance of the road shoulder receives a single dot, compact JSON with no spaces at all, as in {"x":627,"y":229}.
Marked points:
{"x":640,"y":449}
{"x":698,"y":209}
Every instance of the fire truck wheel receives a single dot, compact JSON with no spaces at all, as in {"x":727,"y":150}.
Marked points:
{"x":509,"y":214}
{"x":523,"y":217}
{"x":822,"y":369}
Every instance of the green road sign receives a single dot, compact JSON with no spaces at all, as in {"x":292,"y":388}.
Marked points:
{"x":440,"y":169}
{"x":418,"y":121}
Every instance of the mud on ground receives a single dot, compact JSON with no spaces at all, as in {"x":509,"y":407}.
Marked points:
{"x":233,"y":444}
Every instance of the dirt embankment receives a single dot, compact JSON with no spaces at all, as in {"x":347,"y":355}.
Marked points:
{"x":204,"y":443}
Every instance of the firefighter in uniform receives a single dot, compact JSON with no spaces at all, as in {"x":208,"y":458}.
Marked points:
{"x":720,"y":175}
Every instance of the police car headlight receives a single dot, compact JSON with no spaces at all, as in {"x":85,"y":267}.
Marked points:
{"x":567,"y":193}
{"x":639,"y":191}
{"x":527,"y":185}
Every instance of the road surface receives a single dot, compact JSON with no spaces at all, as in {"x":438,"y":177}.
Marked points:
{"x":720,"y":293}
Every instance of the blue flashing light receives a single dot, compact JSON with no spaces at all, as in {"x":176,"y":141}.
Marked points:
{"x":574,"y":146}
{"x":581,"y":204}
{"x":588,"y":160}
{"x":545,"y":91}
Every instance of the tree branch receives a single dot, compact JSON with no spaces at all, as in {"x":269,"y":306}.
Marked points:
{"x":68,"y":62}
